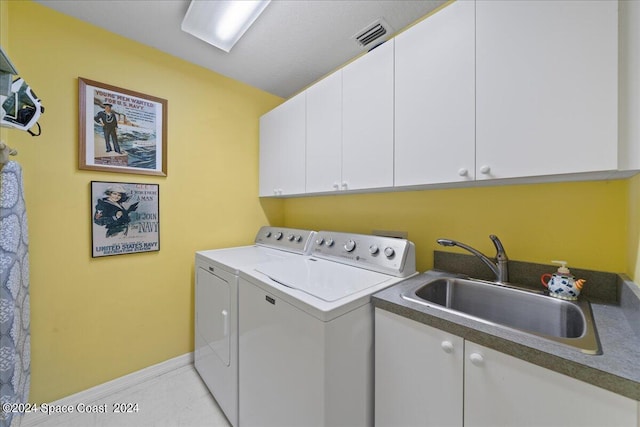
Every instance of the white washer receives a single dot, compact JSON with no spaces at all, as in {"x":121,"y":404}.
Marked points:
{"x":306,"y":331}
{"x":216,"y":306}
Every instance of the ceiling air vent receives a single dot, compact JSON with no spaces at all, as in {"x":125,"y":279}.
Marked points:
{"x":377,"y":32}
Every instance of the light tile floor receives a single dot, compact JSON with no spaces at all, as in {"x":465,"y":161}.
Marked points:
{"x":175,"y":399}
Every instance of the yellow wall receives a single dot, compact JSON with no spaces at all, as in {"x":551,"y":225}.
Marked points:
{"x":633,"y":269}
{"x":584,"y":223}
{"x":4,"y":42}
{"x":4,"y":22}
{"x":94,"y":320}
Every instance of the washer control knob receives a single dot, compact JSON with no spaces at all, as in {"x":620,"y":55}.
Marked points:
{"x":373,"y":249}
{"x":297,"y":238}
{"x":319,"y":241}
{"x":268,"y":234}
{"x":290,"y":237}
{"x":389,"y":252}
{"x":329,"y":242}
{"x":278,"y":235}
{"x":350,"y":246}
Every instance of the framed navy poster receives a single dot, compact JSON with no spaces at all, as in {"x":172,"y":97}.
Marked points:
{"x":125,"y":218}
{"x":121,"y":130}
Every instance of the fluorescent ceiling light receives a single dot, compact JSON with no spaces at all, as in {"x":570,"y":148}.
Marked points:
{"x":222,"y":22}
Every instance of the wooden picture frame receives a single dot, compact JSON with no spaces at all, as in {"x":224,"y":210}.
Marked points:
{"x":121,"y":130}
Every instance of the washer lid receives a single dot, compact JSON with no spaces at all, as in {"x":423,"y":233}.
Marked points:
{"x":242,"y":257}
{"x":329,"y":281}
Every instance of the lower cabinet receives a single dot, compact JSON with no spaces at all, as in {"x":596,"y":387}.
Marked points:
{"x":428,"y":377}
{"x":418,"y":373}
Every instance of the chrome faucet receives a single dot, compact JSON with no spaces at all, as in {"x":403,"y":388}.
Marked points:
{"x":500,"y":268}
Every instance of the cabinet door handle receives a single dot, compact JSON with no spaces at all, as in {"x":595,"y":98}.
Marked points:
{"x":344,"y":185}
{"x":485,"y":169}
{"x":336,"y":186}
{"x":447,"y":346}
{"x":463,"y":172}
{"x":476,"y":359}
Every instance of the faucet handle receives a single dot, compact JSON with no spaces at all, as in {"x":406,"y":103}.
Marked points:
{"x":501,"y":255}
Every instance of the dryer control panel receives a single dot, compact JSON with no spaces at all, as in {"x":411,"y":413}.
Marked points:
{"x":286,"y":239}
{"x":388,"y":255}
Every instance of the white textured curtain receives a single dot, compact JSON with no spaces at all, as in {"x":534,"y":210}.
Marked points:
{"x":15,"y":352}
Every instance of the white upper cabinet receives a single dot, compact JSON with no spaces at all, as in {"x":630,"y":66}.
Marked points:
{"x":324,"y":135}
{"x":282,"y":148}
{"x":546,"y":86}
{"x":481,"y":90}
{"x":367,"y":120}
{"x":629,"y":87}
{"x":435,"y":98}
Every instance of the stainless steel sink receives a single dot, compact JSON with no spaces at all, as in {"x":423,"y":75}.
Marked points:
{"x":566,"y":322}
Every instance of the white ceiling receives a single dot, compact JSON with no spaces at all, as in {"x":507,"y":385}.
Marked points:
{"x":292,"y":44}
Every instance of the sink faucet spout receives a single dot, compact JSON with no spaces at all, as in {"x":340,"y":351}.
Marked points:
{"x":499,"y":267}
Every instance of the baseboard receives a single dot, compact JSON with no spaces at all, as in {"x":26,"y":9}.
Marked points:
{"x":101,"y":391}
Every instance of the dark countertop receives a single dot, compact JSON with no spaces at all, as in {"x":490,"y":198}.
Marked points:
{"x":617,"y":322}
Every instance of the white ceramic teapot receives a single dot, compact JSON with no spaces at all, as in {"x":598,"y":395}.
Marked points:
{"x":562,"y":284}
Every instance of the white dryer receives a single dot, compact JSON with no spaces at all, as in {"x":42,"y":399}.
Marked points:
{"x":306,"y":331}
{"x":216,"y":306}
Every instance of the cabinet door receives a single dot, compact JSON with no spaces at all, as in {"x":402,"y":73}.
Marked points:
{"x":216,"y":338}
{"x":282,"y":148}
{"x":213,"y":311}
{"x":418,"y":374}
{"x":435,"y":98}
{"x":367,"y":138}
{"x":501,"y":390}
{"x":324,"y":135}
{"x":546,"y":87}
